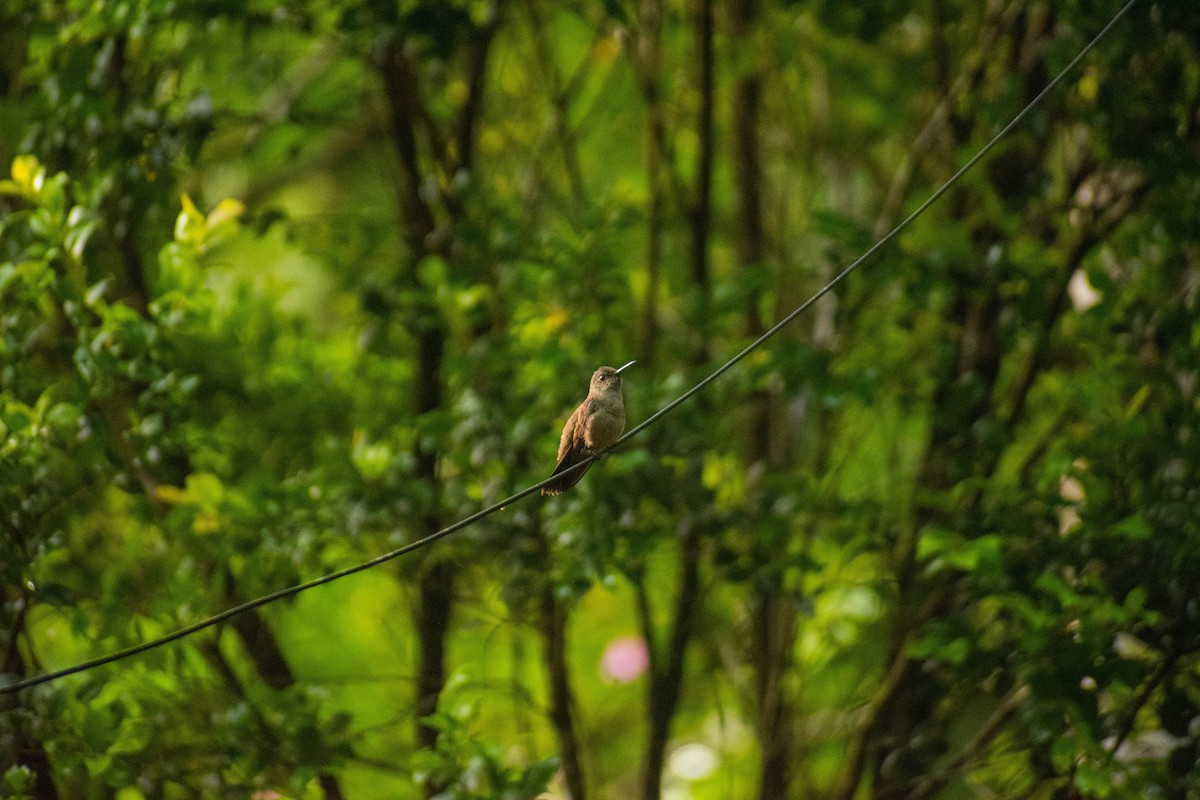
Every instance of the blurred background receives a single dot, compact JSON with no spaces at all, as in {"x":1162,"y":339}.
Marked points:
{"x":286,"y":285}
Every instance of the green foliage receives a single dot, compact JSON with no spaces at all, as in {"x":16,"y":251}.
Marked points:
{"x":283,"y":287}
{"x":467,"y":768}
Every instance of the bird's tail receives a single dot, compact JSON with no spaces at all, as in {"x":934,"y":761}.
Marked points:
{"x":564,"y":482}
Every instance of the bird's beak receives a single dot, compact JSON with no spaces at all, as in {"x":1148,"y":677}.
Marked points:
{"x":622,"y":369}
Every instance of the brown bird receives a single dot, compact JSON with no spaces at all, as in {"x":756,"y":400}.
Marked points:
{"x":596,"y":424}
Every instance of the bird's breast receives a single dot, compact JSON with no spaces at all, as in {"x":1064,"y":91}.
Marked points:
{"x":604,"y":426}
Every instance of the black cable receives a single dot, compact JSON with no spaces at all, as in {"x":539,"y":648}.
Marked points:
{"x":941,"y":190}
{"x":478,"y":515}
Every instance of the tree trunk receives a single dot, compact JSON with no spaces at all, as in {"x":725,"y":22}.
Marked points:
{"x":649,"y":56}
{"x":700,"y":212}
{"x":562,"y":699}
{"x":434,"y":604}
{"x":666,"y":669}
{"x":773,"y":640}
{"x":666,"y":674}
{"x":435,"y":585}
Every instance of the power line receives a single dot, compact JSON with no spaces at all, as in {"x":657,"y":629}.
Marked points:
{"x":941,"y":190}
{"x":290,"y":591}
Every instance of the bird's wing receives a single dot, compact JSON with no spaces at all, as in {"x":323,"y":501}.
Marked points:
{"x":575,"y":453}
{"x":569,"y":430}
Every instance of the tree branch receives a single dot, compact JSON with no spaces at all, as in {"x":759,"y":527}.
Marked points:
{"x":562,"y":699}
{"x":400,"y":83}
{"x":666,"y":681}
{"x":648,"y":62}
{"x":857,"y":747}
{"x":1160,"y":674}
{"x":929,"y":786}
{"x":700,"y":210}
{"x":560,"y":98}
{"x":996,"y":21}
{"x":477,"y":58}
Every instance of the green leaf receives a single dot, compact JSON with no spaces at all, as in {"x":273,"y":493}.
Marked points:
{"x":433,"y":272}
{"x":99,"y":729}
{"x":538,"y":776}
{"x":19,"y":781}
{"x":1093,"y":781}
{"x":64,"y":417}
{"x":1135,"y":527}
{"x":1062,"y":753}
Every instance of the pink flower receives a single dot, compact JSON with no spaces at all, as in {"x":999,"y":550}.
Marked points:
{"x":625,"y":659}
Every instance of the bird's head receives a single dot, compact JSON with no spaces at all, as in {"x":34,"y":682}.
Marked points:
{"x":607,"y":379}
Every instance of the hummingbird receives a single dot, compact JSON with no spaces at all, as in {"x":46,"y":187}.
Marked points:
{"x":596,"y":424}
